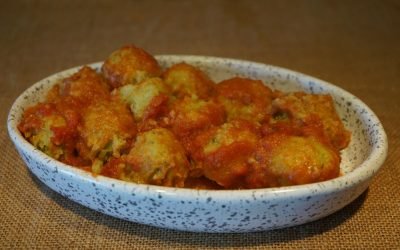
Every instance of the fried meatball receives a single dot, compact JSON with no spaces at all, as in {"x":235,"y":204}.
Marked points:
{"x":306,"y":109}
{"x":129,"y":65}
{"x":42,"y":125}
{"x":147,"y":99}
{"x":107,"y":130}
{"x":191,"y":115}
{"x":224,"y":153}
{"x":283,"y":160}
{"x":86,"y":85}
{"x":186,"y":80}
{"x":245,"y":98}
{"x":157,"y":158}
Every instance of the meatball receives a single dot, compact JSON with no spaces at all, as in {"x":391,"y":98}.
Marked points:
{"x":186,"y":80}
{"x":42,"y":125}
{"x":283,"y":160}
{"x":305,"y":109}
{"x":245,"y":99}
{"x":129,"y":65}
{"x":224,"y":153}
{"x":157,"y":158}
{"x":86,"y":85}
{"x":147,"y":99}
{"x":107,"y":130}
{"x":191,"y":115}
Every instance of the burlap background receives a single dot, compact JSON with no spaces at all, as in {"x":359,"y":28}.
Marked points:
{"x":354,"y":44}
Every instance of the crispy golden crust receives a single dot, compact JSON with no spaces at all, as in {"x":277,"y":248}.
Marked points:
{"x":245,"y":99}
{"x":107,"y":130}
{"x":39,"y":125}
{"x":86,"y":85}
{"x":157,"y":158}
{"x":191,"y":115}
{"x":186,"y":80}
{"x":129,"y":65}
{"x":284,"y":160}
{"x":52,"y":127}
{"x":305,"y":109}
{"x":224,"y":153}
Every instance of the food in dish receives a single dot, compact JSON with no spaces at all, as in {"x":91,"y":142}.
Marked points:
{"x":135,"y":122}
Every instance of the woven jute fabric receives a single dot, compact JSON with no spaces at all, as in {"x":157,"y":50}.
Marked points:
{"x":353,"y":44}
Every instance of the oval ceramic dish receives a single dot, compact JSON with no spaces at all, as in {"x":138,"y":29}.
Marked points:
{"x":218,"y":211}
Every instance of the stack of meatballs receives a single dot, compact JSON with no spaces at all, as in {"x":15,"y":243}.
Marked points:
{"x":134,"y":121}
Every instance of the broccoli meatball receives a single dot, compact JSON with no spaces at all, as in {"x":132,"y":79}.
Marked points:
{"x":245,"y":99}
{"x":107,"y":130}
{"x":224,"y":153}
{"x":86,"y":85}
{"x":157,"y":158}
{"x":305,"y":109}
{"x":129,"y":65}
{"x":186,"y":80}
{"x":191,"y":115}
{"x":284,"y":160}
{"x":42,"y":125}
{"x":147,"y":99}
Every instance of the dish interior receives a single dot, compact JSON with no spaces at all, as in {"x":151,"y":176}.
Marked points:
{"x":349,"y":108}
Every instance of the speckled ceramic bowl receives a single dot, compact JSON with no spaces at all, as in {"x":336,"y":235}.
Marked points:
{"x":219,"y":211}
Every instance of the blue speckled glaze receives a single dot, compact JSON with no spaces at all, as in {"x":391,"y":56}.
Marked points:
{"x":218,"y":211}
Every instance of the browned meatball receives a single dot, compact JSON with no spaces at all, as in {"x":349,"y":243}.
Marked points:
{"x":245,"y":99}
{"x":156,"y":158}
{"x":107,"y":130}
{"x":190,"y":115}
{"x":40,"y":125}
{"x":129,"y":65}
{"x":224,"y":153}
{"x":302,"y":108}
{"x":186,"y":80}
{"x":86,"y":86}
{"x":284,"y":160}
